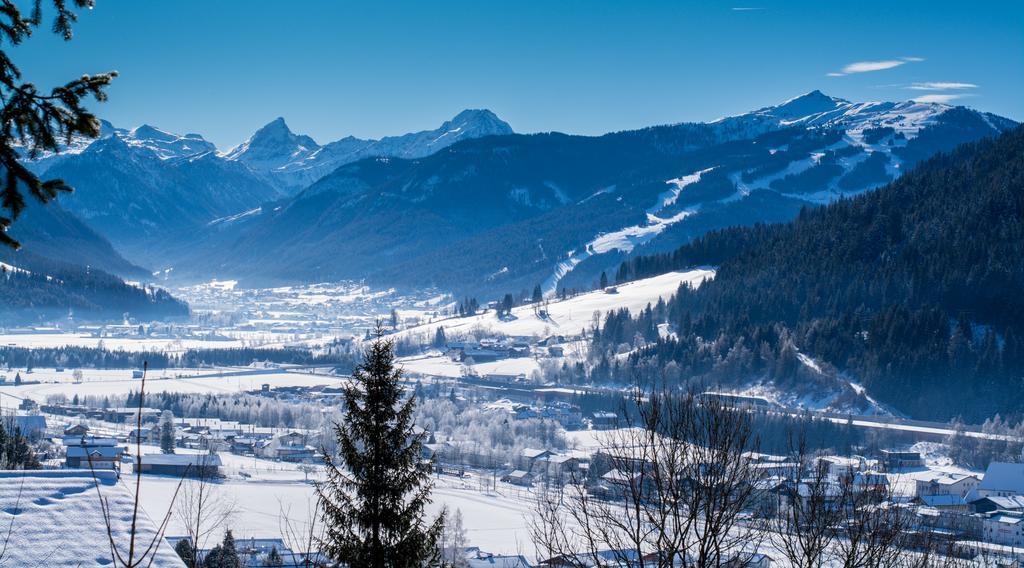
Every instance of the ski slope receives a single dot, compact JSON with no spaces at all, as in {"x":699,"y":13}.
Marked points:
{"x":566,"y":317}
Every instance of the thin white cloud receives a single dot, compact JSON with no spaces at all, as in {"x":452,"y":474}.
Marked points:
{"x":868,"y":66}
{"x":939,"y":98}
{"x":940,"y":86}
{"x":747,"y":9}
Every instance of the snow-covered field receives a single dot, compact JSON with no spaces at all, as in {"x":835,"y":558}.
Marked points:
{"x":275,"y":502}
{"x":569,"y":317}
{"x":101,"y":382}
{"x":61,"y":339}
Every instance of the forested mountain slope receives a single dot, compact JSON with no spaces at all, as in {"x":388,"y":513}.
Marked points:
{"x":506,"y":213}
{"x":915,"y":290}
{"x":40,"y":289}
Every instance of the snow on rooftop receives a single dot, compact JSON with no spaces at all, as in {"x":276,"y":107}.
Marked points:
{"x":55,"y":518}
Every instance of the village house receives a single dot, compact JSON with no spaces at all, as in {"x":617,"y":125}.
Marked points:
{"x":1004,"y":527}
{"x":946,"y":484}
{"x":181,"y":465}
{"x":476,"y":558}
{"x":893,"y":460}
{"x":291,"y":447}
{"x":997,"y":503}
{"x":518,"y":477}
{"x":603,"y":420}
{"x":1001,"y":480}
{"x":94,"y":458}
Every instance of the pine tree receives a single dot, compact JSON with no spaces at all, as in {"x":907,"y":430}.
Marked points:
{"x":604,"y":281}
{"x":274,"y":558}
{"x":37,"y":121}
{"x":440,"y":340}
{"x":373,"y":500}
{"x":167,"y":432}
{"x":538,"y":295}
{"x":186,"y":552}
{"x":224,"y":555}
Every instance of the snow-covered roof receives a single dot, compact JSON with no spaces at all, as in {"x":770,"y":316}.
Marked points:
{"x":208,"y":460}
{"x":942,"y":500}
{"x":1008,"y":503}
{"x":56,"y":519}
{"x":102,"y":451}
{"x":1007,"y":477}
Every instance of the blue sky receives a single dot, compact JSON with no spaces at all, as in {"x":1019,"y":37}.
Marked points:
{"x":223,"y":68}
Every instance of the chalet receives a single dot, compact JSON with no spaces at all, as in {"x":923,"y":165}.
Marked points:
{"x":76,"y":430}
{"x":28,"y":405}
{"x":94,"y":458}
{"x":1001,"y":480}
{"x":292,"y":447}
{"x":475,"y":558}
{"x":871,"y":481}
{"x":556,"y":351}
{"x":894,"y":460}
{"x":943,"y":502}
{"x":181,"y":465}
{"x":531,"y":456}
{"x":603,"y":420}
{"x":518,"y":477}
{"x":996,"y":503}
{"x":946,"y":484}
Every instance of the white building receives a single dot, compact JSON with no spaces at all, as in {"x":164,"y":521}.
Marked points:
{"x":946,"y":484}
{"x":1004,"y":527}
{"x":1002,"y":480}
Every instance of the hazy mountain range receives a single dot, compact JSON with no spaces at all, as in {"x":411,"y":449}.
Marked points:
{"x":474,"y":208}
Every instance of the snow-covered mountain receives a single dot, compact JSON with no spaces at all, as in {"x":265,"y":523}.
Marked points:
{"x":294,"y":161}
{"x":816,"y":109}
{"x":505,"y":213}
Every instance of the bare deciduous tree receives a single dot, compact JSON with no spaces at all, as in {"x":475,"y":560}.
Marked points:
{"x":676,"y":495}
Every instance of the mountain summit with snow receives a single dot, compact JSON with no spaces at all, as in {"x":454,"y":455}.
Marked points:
{"x":292,"y":161}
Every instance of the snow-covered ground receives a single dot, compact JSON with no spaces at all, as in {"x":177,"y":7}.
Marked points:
{"x":272,"y":503}
{"x":568,"y":317}
{"x":36,"y":505}
{"x":628,"y":238}
{"x":102,"y":382}
{"x":62,"y":339}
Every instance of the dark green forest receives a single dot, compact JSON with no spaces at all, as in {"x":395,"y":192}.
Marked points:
{"x":916,"y":290}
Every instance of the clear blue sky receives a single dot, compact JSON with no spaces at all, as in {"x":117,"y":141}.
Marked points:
{"x":333,"y":68}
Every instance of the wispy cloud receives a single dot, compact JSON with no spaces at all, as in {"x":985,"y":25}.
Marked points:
{"x":869,"y":66}
{"x":940,"y":98}
{"x":747,"y":9}
{"x":940,"y":86}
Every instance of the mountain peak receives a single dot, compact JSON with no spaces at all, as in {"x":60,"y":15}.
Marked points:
{"x":814,"y":102}
{"x":273,"y":145}
{"x":480,"y":121}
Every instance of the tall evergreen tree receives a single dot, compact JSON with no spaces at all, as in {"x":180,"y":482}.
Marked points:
{"x":274,"y":558}
{"x":373,"y":500}
{"x":167,"y":432}
{"x":538,"y":295}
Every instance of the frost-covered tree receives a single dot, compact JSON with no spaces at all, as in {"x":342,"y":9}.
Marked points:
{"x":167,"y":432}
{"x":373,"y":501}
{"x":32,"y":122}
